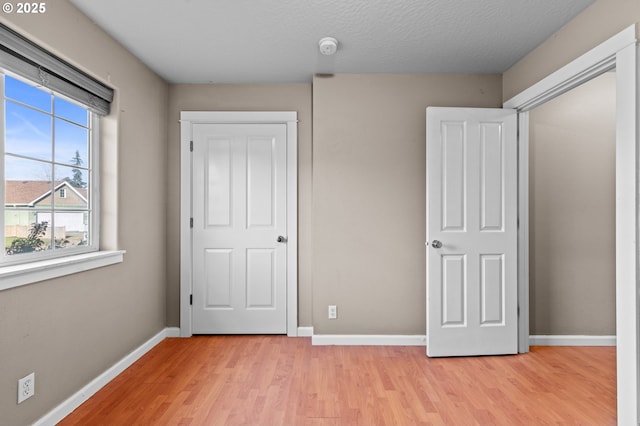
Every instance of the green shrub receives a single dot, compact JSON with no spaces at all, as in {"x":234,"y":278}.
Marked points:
{"x":33,"y":242}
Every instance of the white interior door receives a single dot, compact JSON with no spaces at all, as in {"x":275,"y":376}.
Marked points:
{"x":472,"y":305}
{"x":239,"y":228}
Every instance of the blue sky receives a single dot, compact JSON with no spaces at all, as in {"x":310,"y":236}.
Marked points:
{"x":29,"y":132}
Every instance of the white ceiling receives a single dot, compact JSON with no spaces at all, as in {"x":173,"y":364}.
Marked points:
{"x":276,"y":41}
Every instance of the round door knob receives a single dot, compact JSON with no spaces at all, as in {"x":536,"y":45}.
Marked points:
{"x":436,"y":244}
{"x":282,"y":239}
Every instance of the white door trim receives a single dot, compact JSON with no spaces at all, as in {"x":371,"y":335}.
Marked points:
{"x":187,"y":119}
{"x":619,"y":52}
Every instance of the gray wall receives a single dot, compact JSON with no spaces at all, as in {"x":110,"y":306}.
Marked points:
{"x":369,"y":195}
{"x":71,"y":329}
{"x":597,"y":23}
{"x":594,"y":25}
{"x":572,"y":212}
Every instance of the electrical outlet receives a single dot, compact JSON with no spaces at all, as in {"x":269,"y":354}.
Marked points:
{"x":333,"y":312}
{"x":26,"y":387}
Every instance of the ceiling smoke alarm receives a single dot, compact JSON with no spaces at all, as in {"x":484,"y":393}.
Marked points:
{"x":328,"y":46}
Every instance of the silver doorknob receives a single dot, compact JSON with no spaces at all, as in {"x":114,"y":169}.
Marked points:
{"x":436,"y":244}
{"x":282,"y":239}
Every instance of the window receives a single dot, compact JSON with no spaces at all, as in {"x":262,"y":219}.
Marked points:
{"x":49,"y":117}
{"x":48,"y":173}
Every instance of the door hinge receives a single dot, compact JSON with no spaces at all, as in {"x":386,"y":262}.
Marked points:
{"x":191,"y":146}
{"x":518,"y":310}
{"x":191,"y":222}
{"x":191,"y":299}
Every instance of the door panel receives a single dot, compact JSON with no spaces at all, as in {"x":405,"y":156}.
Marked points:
{"x":472,"y":213}
{"x":239,"y":210}
{"x":218,"y":185}
{"x":492,"y":288}
{"x":260,"y":278}
{"x":453,"y":176}
{"x":453,"y":291}
{"x":491,"y":174}
{"x":260,"y":174}
{"x":217,"y":264}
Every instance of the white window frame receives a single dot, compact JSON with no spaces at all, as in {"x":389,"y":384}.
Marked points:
{"x":94,"y":185}
{"x":29,"y":268}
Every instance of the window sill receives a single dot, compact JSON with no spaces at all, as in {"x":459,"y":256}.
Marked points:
{"x":19,"y":275}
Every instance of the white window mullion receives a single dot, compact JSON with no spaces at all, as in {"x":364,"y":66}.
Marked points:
{"x":53,"y":174}
{"x":93,"y":199}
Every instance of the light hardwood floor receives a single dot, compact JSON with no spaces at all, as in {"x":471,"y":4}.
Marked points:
{"x":275,"y":380}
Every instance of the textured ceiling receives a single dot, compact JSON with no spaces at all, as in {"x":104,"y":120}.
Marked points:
{"x":276,"y":41}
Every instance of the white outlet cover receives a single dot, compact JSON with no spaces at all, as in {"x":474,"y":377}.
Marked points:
{"x":26,"y":387}
{"x":333,"y":312}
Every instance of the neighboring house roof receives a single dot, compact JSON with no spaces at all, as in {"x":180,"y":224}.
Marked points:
{"x":29,"y":192}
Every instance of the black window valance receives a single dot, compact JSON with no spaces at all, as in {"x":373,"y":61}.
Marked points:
{"x":28,"y":60}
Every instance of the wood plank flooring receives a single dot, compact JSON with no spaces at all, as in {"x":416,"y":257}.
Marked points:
{"x":275,"y":380}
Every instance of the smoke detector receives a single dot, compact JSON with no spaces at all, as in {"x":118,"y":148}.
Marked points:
{"x":328,"y":46}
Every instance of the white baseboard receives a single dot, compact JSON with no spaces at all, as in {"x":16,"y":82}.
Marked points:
{"x":368,"y":340}
{"x":172,"y":331}
{"x":572,"y":340}
{"x":418,"y":340}
{"x":305,"y":331}
{"x":74,"y":401}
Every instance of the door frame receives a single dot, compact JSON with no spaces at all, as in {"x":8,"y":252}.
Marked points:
{"x":187,"y":120}
{"x":620,"y":52}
